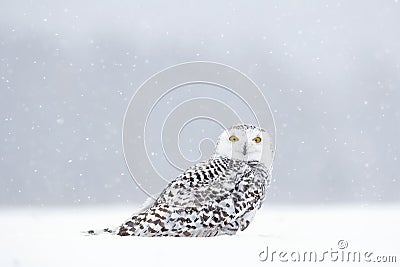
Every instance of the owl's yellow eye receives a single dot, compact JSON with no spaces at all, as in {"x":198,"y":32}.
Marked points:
{"x":257,"y":139}
{"x":233,"y":138}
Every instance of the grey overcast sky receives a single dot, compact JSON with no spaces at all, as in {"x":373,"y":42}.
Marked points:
{"x":329,"y":69}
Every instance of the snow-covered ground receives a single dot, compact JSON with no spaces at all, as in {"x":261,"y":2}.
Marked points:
{"x":51,"y":237}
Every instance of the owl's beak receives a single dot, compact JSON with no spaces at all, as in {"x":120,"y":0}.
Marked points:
{"x":244,"y":149}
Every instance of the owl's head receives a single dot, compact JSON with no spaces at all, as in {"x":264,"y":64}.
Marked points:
{"x":246,"y":142}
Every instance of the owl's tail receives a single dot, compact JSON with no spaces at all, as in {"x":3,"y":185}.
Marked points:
{"x":111,"y":231}
{"x":116,"y":230}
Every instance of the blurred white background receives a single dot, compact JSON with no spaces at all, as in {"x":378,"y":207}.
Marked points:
{"x":330,"y":70}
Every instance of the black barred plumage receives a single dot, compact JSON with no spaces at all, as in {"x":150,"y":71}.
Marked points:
{"x":215,"y":197}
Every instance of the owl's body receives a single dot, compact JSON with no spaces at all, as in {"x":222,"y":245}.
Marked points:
{"x":215,"y":197}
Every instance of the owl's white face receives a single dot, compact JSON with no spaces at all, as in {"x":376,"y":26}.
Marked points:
{"x":244,"y":142}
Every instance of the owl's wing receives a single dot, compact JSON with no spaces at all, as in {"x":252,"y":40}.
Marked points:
{"x":208,"y":199}
{"x":211,"y":181}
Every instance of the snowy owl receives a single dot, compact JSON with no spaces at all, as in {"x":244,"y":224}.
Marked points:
{"x":215,"y":197}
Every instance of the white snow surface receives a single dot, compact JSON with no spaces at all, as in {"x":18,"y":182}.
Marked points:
{"x":33,"y":236}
